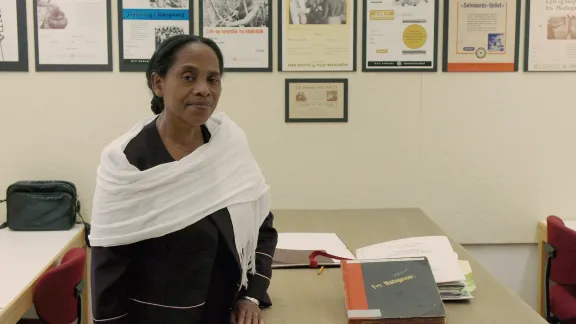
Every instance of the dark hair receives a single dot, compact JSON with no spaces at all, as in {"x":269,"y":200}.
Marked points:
{"x":163,"y":59}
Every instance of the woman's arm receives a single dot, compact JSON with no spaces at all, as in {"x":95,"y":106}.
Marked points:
{"x":259,"y":282}
{"x":109,"y":281}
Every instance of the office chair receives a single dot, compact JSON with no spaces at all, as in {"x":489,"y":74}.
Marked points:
{"x":560,"y":269}
{"x":58,"y":291}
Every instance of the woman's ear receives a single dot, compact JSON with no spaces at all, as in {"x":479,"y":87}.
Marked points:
{"x":157,"y":84}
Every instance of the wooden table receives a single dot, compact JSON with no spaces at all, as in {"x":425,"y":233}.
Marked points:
{"x":302,"y":296}
{"x":24,"y":257}
{"x":542,"y":239}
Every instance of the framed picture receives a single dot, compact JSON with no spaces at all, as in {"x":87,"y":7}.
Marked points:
{"x":316,"y":100}
{"x":73,"y":35}
{"x":316,"y":36}
{"x":481,"y":35}
{"x":13,"y":36}
{"x":242,"y":29}
{"x":145,"y":24}
{"x":400,"y":36}
{"x":549,"y":35}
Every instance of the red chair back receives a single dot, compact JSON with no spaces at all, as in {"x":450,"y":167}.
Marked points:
{"x":55,"y":296}
{"x":563,"y":239}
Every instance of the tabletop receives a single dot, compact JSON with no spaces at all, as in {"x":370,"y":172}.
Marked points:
{"x":26,"y":255}
{"x":303,"y":296}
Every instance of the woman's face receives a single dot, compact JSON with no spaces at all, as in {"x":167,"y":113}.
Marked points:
{"x":192,"y":87}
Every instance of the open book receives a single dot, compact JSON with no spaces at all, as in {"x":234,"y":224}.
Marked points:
{"x":295,"y":249}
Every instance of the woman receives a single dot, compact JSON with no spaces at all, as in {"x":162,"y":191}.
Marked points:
{"x":181,"y":228}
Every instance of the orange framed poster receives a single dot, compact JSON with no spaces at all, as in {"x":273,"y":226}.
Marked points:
{"x":481,"y":35}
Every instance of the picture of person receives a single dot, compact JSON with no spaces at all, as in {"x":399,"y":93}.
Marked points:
{"x":408,"y":3}
{"x":168,"y":4}
{"x":318,"y":12}
{"x":50,"y":16}
{"x":332,"y":95}
{"x":164,"y":32}
{"x":300,"y":96}
{"x":236,"y":13}
{"x":496,"y":42}
{"x":561,"y":27}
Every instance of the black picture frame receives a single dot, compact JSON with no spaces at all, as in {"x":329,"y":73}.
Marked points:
{"x":140,"y":65}
{"x":288,"y":82}
{"x":388,"y":69}
{"x":354,"y":40}
{"x":22,"y":64}
{"x":269,"y":68}
{"x":445,"y":36}
{"x":75,"y":67}
{"x":526,"y":65}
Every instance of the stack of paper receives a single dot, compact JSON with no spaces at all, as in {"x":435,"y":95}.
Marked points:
{"x":447,"y":269}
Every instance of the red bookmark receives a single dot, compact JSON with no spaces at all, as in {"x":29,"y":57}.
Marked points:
{"x":313,"y":255}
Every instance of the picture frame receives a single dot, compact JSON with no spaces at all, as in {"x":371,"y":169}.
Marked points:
{"x":63,"y":21}
{"x":175,"y":20}
{"x":307,"y":46}
{"x":418,"y":30}
{"x":10,"y":61}
{"x":544,"y":47}
{"x":253,"y":52}
{"x":316,"y":100}
{"x":480,"y":58}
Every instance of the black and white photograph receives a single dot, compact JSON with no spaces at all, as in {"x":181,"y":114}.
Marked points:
{"x":235,"y":13}
{"x":561,"y":27}
{"x":50,"y":15}
{"x":166,"y":4}
{"x":13,"y":38}
{"x":408,"y":3}
{"x":162,"y":33}
{"x":318,"y":12}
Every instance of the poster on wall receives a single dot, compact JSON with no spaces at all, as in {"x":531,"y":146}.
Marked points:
{"x":317,"y":35}
{"x":13,"y":36}
{"x":316,"y":100}
{"x":73,"y":35}
{"x":144,"y":24}
{"x":400,"y":35}
{"x":550,"y":36}
{"x":481,"y":35}
{"x":243,"y":31}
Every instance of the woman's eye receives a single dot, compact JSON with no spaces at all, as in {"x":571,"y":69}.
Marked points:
{"x":188,"y":77}
{"x":215,"y":81}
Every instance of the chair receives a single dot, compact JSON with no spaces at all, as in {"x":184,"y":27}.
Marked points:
{"x":560,"y":269}
{"x":58,"y":291}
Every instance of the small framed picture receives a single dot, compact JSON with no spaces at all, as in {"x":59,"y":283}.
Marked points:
{"x":316,"y":100}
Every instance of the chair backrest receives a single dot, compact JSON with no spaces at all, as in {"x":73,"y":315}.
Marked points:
{"x":563,"y":239}
{"x":54,"y":295}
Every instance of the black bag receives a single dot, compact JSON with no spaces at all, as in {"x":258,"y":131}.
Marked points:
{"x":42,"y":206}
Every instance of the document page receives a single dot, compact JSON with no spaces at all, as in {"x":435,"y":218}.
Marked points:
{"x":438,"y":250}
{"x":329,"y":242}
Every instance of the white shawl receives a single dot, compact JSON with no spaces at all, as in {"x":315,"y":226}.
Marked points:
{"x":132,"y":205}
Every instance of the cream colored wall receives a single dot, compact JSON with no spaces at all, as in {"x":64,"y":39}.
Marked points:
{"x":485,"y":155}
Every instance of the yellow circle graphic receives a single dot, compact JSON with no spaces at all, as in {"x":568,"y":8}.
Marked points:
{"x":414,"y":36}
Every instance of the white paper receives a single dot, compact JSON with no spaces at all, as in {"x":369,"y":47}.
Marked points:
{"x":400,"y":34}
{"x":8,"y":31}
{"x":146,"y":24}
{"x":244,"y":46}
{"x":443,"y":260}
{"x":72,"y":32}
{"x":329,"y":242}
{"x":552,"y":39}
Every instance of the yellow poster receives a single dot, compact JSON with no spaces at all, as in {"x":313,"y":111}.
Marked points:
{"x":317,"y":35}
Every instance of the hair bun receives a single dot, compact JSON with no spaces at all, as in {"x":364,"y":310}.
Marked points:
{"x":157,"y":104}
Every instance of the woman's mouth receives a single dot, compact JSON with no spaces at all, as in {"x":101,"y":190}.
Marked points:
{"x":199,"y":105}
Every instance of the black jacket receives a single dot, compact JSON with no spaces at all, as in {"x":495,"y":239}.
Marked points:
{"x":189,"y":276}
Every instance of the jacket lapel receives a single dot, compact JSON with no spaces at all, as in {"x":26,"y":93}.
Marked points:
{"x":224,"y":223}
